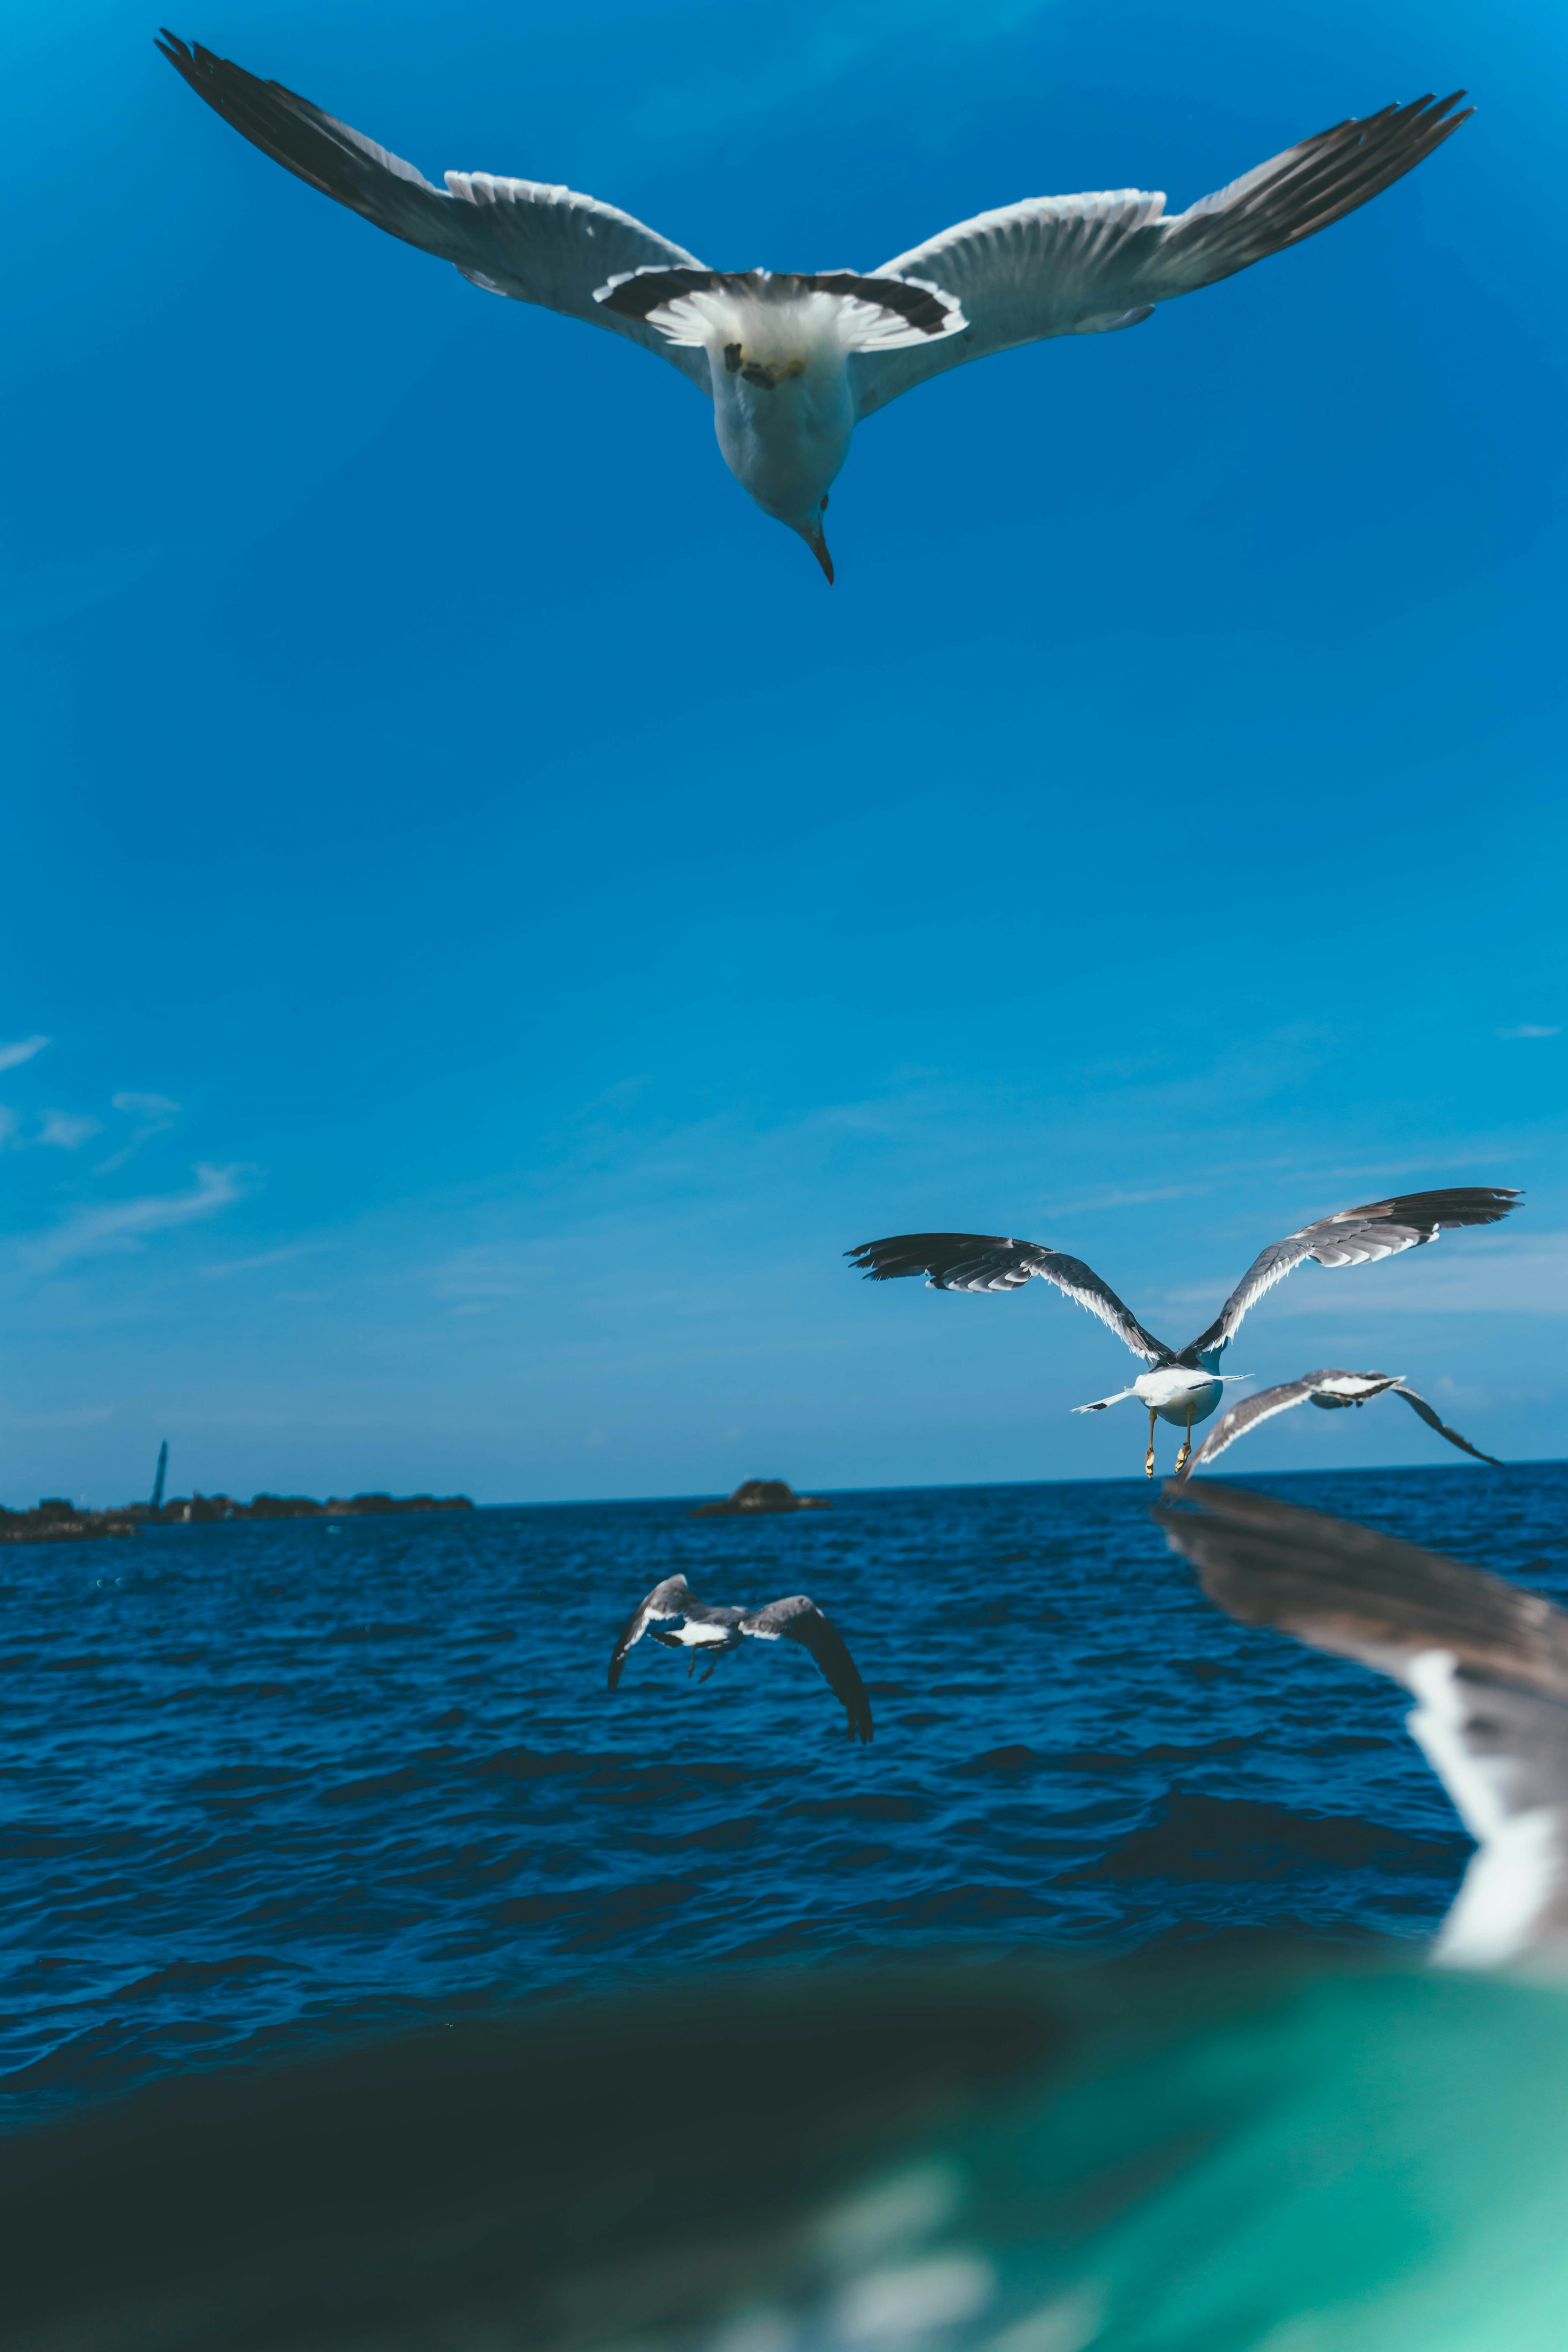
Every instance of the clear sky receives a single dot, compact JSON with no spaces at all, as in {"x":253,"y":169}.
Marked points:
{"x":502,"y":926}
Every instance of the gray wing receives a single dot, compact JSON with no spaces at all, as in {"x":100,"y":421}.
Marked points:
{"x":800,"y":1620}
{"x":1086,"y":264}
{"x":998,"y":1262}
{"x":1419,"y":1404}
{"x":517,"y":237}
{"x":1355,"y":1238}
{"x":1488,"y":1661}
{"x":673,"y":1598}
{"x":1240,"y":1418}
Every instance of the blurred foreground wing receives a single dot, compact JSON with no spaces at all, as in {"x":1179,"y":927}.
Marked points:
{"x":670,"y":1598}
{"x":800,"y":1620}
{"x":1487,"y":1663}
{"x":998,"y":1262}
{"x":1355,"y":1238}
{"x":518,"y":238}
{"x":1086,"y":264}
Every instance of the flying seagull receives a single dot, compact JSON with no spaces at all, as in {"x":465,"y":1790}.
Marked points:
{"x":1335,"y":1391}
{"x":715,"y":1632}
{"x":1182,"y":1385}
{"x":1486,"y":1662}
{"x":793,"y":361}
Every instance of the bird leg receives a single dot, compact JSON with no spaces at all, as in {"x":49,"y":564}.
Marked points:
{"x":1149,"y":1457}
{"x":1186,"y":1456}
{"x":692,"y":1663}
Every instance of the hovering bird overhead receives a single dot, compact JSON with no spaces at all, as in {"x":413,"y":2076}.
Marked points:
{"x":1333,"y":1391}
{"x":714,"y":1633}
{"x":793,"y":361}
{"x":1487,"y":1663}
{"x":1183,"y":1385}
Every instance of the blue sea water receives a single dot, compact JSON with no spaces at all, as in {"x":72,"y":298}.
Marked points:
{"x":269,"y":1782}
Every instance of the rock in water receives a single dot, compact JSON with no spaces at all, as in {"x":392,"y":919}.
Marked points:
{"x":760,"y":1494}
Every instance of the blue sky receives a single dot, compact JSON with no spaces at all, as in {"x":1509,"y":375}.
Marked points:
{"x":502,"y":926}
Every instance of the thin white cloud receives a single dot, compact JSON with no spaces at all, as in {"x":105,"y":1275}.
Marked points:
{"x":67,"y":1129}
{"x":1531,"y":1029}
{"x":155,"y":1112}
{"x":152,"y":1106}
{"x":84,"y":1416}
{"x":1504,"y":1275}
{"x":254,"y":1265}
{"x":22,"y":1051}
{"x":126,"y":1224}
{"x":9,"y":1123}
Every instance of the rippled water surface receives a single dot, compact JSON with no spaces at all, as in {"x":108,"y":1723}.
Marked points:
{"x":263,"y":1782}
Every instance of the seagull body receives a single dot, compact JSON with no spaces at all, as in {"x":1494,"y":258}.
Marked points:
{"x":1184,"y":1386}
{"x":716,"y":1631}
{"x":1331,"y":1391}
{"x":1487,"y":1663}
{"x":794,"y":361}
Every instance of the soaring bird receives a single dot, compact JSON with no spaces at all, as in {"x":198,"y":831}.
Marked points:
{"x":1335,"y":1391}
{"x":1488,"y":1664}
{"x":715,"y":1632}
{"x":793,"y":361}
{"x":1182,"y":1385}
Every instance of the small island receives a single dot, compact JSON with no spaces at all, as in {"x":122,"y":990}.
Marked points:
{"x":57,"y":1521}
{"x":759,"y":1495}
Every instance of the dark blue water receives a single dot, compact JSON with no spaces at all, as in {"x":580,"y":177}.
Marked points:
{"x":263,"y":1782}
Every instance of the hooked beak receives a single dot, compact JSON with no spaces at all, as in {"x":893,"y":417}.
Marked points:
{"x":818,"y":546}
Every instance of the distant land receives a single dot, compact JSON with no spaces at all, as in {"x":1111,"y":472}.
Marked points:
{"x":57,"y":1521}
{"x":760,"y":1494}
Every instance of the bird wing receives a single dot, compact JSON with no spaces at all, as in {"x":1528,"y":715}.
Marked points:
{"x":1355,"y":1238}
{"x":1086,"y":264}
{"x":1240,"y":1418}
{"x":673,"y":1598}
{"x":1419,"y":1404}
{"x":996,"y":1262}
{"x":800,"y":1620}
{"x":1488,"y":1661}
{"x":517,"y":237}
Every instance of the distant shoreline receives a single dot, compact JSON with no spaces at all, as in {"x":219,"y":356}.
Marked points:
{"x":58,"y":1521}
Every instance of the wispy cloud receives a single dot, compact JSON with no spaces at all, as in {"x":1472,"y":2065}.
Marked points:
{"x":1531,"y":1029}
{"x":81,"y":1416}
{"x":810,"y":56}
{"x":155,"y":1112}
{"x":22,"y":1051}
{"x":267,"y":1257}
{"x":68,"y":1129}
{"x":9,"y":1123}
{"x":125,"y":1224}
{"x":150,"y":1106}
{"x":1503,"y":1274}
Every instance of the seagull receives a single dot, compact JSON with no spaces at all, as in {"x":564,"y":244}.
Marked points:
{"x":793,"y":361}
{"x":717,"y":1632}
{"x":1335,"y":1391}
{"x":1183,"y":1385}
{"x":1486,"y":1662}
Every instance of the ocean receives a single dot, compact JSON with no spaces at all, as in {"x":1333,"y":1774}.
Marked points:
{"x":267,"y":1785}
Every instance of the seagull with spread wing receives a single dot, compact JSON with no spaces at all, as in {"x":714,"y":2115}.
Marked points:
{"x":790,"y":361}
{"x":1183,"y":1385}
{"x":714,"y":1633}
{"x":1333,"y":1391}
{"x":1488,"y":1664}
